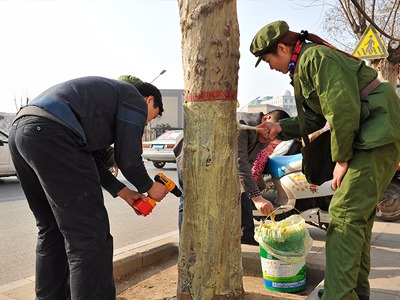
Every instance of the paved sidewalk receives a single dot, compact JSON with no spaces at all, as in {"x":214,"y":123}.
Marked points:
{"x":384,"y":277}
{"x":385,"y":260}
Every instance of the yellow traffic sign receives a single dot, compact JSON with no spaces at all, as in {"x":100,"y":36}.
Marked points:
{"x":370,"y":46}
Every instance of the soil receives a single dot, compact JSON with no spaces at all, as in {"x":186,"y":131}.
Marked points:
{"x":160,"y":283}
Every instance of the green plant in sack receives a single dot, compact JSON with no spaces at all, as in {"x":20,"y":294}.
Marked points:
{"x":287,"y":240}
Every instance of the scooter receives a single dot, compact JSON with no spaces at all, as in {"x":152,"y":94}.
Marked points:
{"x":289,"y":190}
{"x":389,"y":206}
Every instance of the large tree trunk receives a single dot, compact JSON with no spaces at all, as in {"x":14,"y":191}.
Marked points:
{"x":387,"y":71}
{"x":210,"y":252}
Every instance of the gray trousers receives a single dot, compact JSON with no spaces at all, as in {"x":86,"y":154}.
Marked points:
{"x":60,"y":180}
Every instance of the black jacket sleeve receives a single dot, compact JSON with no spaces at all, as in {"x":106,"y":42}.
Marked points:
{"x":107,"y":180}
{"x":129,"y":127}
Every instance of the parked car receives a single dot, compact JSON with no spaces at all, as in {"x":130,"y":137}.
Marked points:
{"x":159,"y":151}
{"x":6,"y":164}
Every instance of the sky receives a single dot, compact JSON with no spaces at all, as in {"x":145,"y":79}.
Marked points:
{"x":45,"y":42}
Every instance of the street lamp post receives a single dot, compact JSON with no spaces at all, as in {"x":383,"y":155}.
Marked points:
{"x":162,"y":72}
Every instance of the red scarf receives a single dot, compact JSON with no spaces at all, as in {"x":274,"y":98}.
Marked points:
{"x":295,"y":56}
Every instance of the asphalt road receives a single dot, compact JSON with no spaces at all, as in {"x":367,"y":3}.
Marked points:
{"x":18,"y":230}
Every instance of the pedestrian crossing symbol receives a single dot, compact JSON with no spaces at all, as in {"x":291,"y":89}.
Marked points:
{"x":370,"y":46}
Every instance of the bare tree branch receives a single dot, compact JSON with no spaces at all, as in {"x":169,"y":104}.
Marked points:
{"x":372,"y":21}
{"x":395,"y":10}
{"x":349,"y":15}
{"x":373,"y":9}
{"x":346,"y":21}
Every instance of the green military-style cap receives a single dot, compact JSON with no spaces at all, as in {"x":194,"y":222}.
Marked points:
{"x":266,"y":37}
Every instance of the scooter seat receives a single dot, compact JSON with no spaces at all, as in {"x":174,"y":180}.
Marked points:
{"x":280,"y":165}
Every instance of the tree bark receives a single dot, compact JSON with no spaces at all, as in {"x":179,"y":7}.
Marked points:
{"x":387,"y":71}
{"x":209,"y":265}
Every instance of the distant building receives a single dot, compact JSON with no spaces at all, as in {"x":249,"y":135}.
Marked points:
{"x":173,"y":108}
{"x":172,"y":115}
{"x":268,"y":103}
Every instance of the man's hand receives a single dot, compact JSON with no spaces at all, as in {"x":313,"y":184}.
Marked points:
{"x":338,"y":174}
{"x":269,"y":130}
{"x":263,"y":205}
{"x":130,"y":196}
{"x":157,"y":191}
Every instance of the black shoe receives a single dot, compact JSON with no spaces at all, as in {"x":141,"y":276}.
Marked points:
{"x":250,"y":241}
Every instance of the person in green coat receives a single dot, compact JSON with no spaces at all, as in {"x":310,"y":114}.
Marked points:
{"x":363,"y":114}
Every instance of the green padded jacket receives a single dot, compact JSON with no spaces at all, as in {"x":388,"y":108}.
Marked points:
{"x":329,"y":85}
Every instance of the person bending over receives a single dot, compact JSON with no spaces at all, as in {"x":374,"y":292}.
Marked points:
{"x":57,"y":143}
{"x":363,"y":114}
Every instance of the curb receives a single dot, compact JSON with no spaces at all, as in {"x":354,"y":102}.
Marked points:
{"x":125,"y":261}
{"x":385,"y":272}
{"x":141,"y":255}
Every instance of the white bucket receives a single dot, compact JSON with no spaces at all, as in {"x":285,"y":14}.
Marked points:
{"x":281,"y":276}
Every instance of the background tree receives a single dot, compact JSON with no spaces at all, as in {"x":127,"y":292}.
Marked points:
{"x":210,"y":251}
{"x":130,"y":79}
{"x":350,"y":18}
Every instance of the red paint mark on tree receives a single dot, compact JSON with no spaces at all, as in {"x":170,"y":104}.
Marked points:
{"x":224,"y":95}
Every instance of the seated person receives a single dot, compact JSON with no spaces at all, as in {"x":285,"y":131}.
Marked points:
{"x":250,"y":143}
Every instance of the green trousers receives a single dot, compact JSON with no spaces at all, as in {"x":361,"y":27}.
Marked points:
{"x":352,"y":213}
